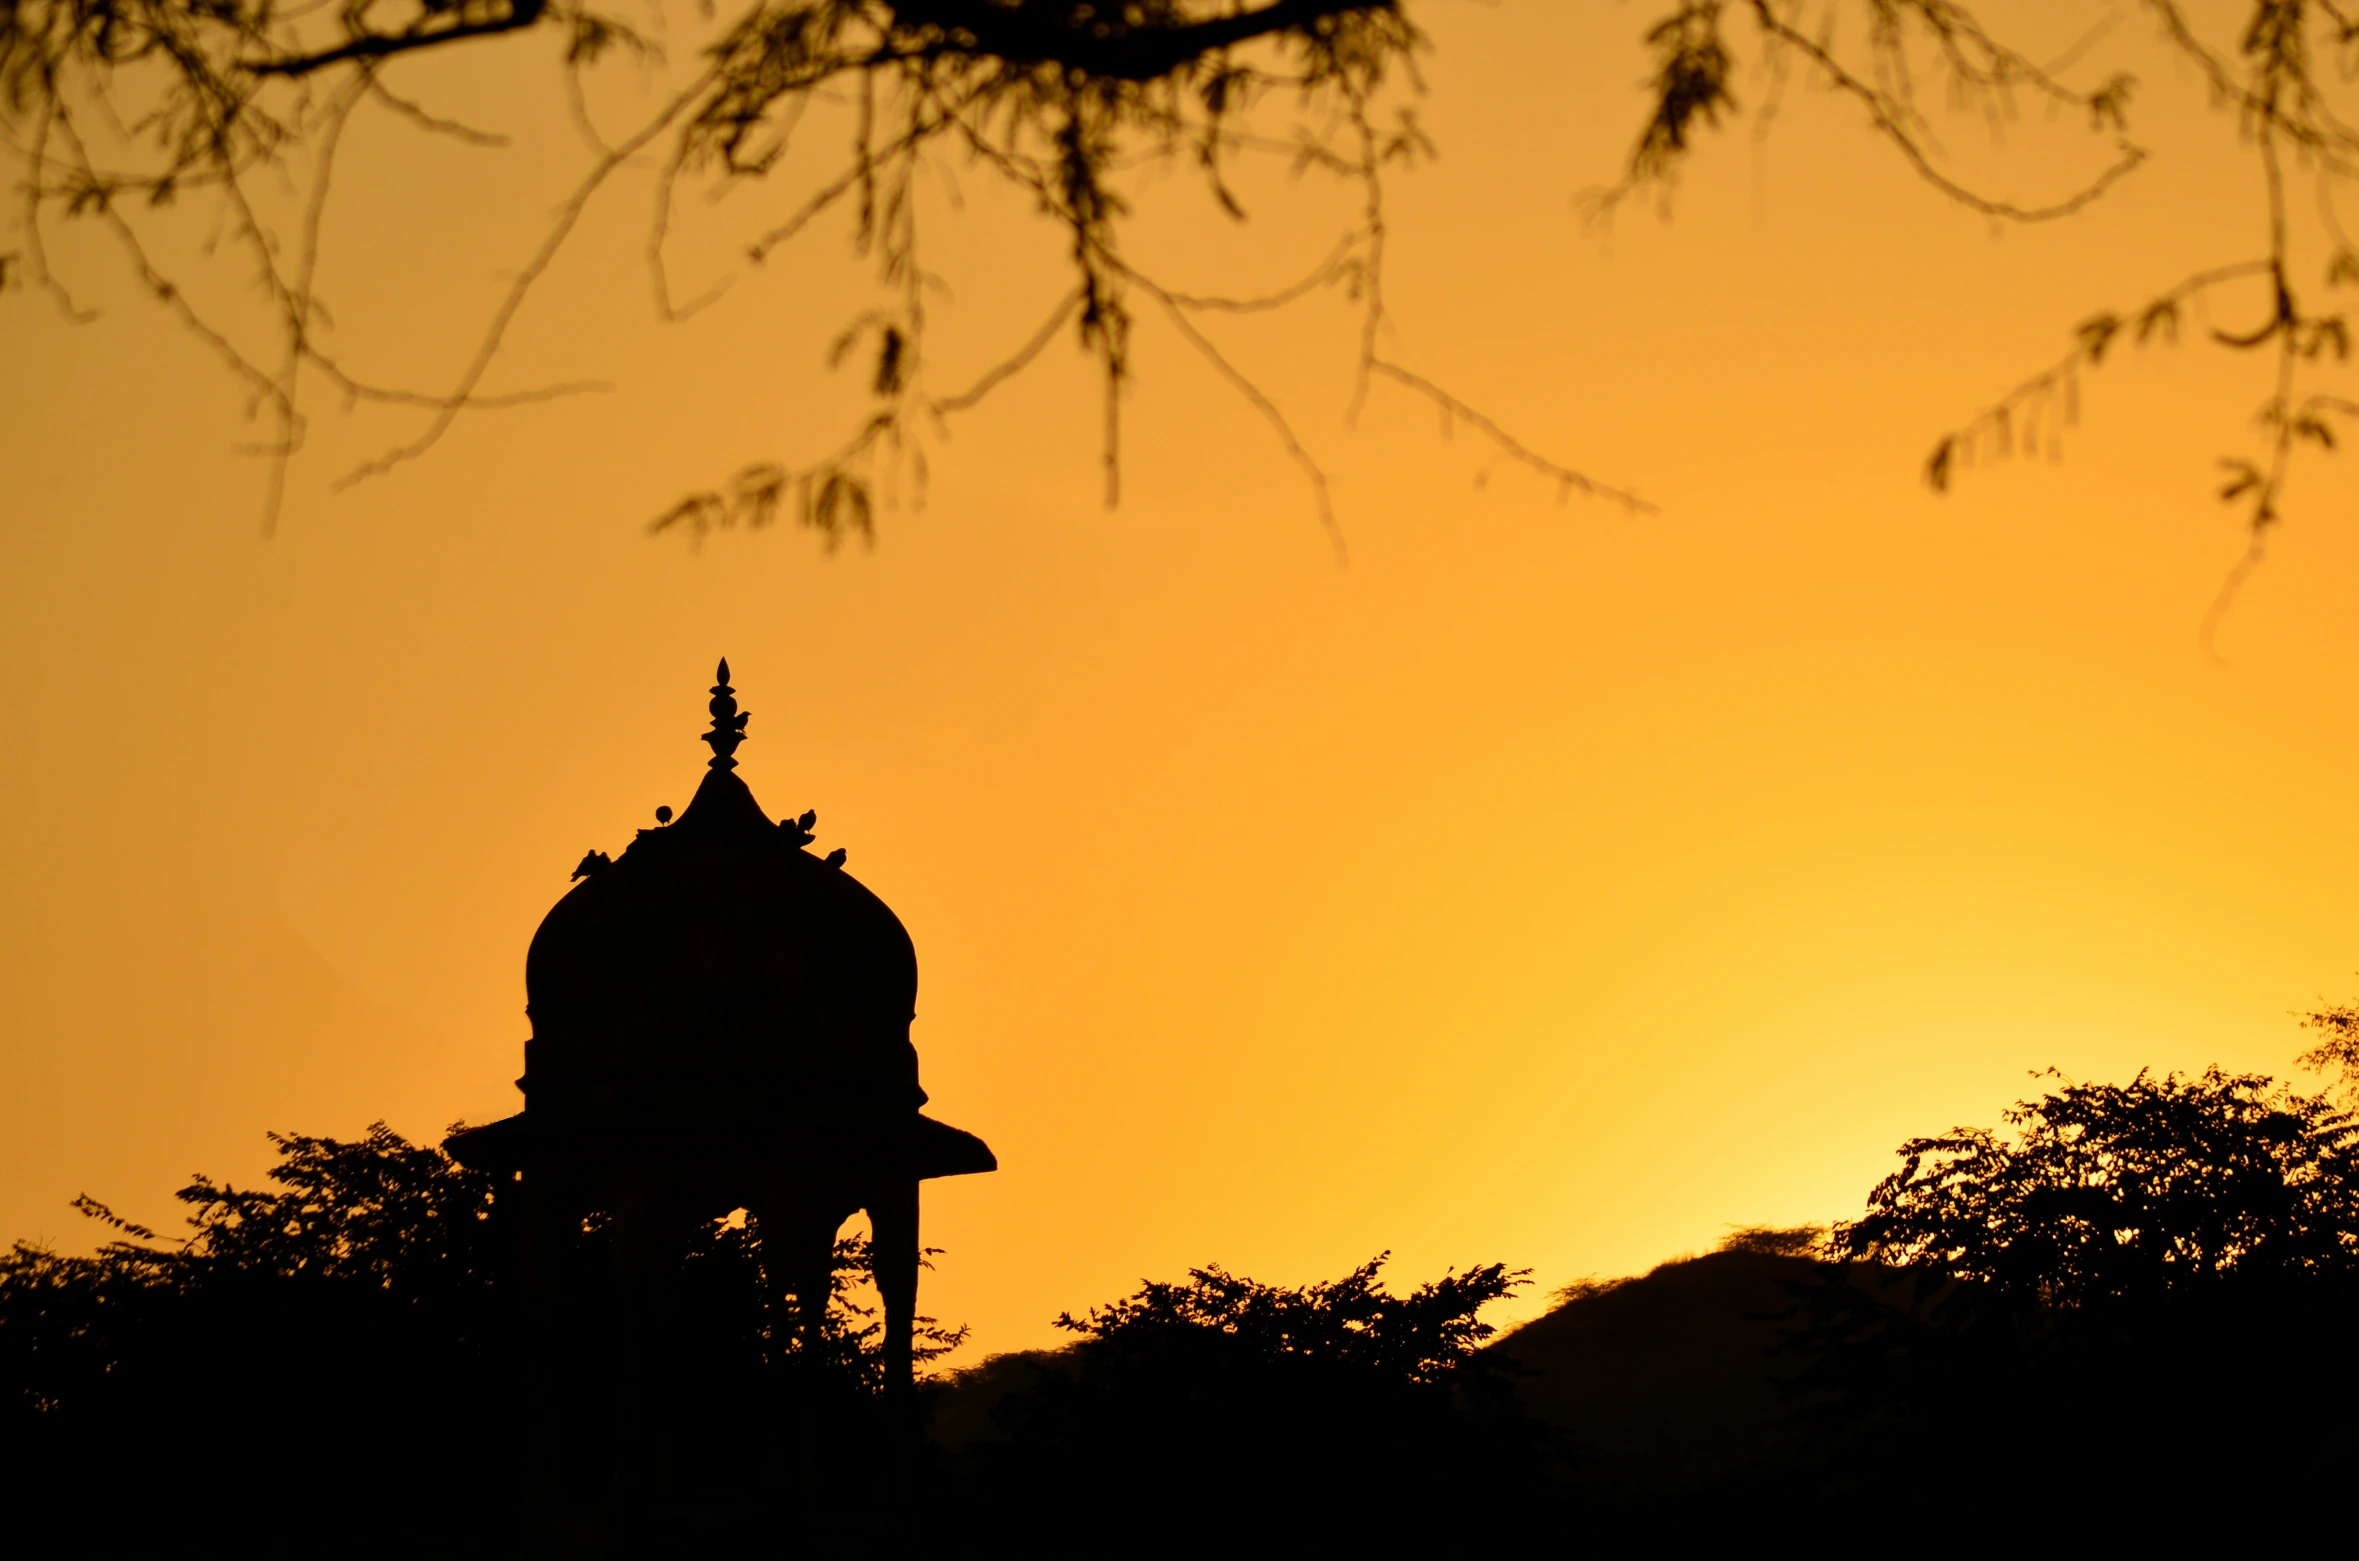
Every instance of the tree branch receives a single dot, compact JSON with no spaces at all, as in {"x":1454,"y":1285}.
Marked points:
{"x":498,"y":329}
{"x":378,"y":46}
{"x":1096,"y":42}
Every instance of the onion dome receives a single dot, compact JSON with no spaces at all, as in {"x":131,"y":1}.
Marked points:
{"x":719,"y":976}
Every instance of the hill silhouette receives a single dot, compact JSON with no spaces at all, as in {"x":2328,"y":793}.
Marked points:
{"x":1678,"y":1384}
{"x":1679,"y":1394}
{"x":1661,"y":1385}
{"x":1342,"y":1413}
{"x":1744,"y":1386}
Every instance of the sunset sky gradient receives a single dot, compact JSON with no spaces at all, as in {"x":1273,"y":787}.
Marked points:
{"x":1543,"y":883}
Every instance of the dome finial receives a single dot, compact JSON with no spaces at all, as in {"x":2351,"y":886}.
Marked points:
{"x":728,"y":721}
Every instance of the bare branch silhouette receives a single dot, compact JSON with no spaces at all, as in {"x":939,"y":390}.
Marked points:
{"x":371,"y":47}
{"x":658,"y":231}
{"x":833,"y":494}
{"x":36,"y":249}
{"x":1325,"y":274}
{"x":1568,"y":481}
{"x":165,"y":290}
{"x":300,"y":302}
{"x":489,"y":347}
{"x":433,"y":124}
{"x":1257,"y":399}
{"x":1695,"y":67}
{"x":1058,"y":103}
{"x":1013,"y":364}
{"x":1895,"y":120}
{"x":2053,"y":394}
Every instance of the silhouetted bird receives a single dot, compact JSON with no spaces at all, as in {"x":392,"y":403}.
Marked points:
{"x":663,"y":815}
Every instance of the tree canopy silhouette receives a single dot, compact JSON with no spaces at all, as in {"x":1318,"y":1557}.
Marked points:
{"x":2058,"y":1322}
{"x":2124,"y":1196}
{"x":336,"y":1332}
{"x":338,"y":1353}
{"x":2098,"y":1298}
{"x":116,"y":109}
{"x":1335,"y":1412}
{"x":2337,"y":1051}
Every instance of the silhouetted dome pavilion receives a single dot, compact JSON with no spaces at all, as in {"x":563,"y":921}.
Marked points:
{"x":720,"y":1021}
{"x":720,"y":947}
{"x":720,"y":977}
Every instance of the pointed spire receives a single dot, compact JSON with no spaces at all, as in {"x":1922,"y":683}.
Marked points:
{"x":728,"y":721}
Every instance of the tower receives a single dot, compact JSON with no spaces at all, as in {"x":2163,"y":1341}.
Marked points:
{"x":720,"y":1021}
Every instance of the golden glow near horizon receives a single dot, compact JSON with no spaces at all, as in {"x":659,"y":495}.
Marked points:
{"x":1544,"y":884}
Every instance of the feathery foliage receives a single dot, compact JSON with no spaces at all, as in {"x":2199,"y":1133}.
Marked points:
{"x":2126,"y":1195}
{"x":1335,"y":1412}
{"x":342,"y":1342}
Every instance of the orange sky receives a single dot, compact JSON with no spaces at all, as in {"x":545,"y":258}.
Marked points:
{"x":1545,"y":884}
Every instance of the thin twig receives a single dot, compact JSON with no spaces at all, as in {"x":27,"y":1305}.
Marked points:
{"x":1371,"y":273}
{"x":659,"y":231}
{"x":1310,"y":282}
{"x":1887,"y":121}
{"x":300,"y":301}
{"x":2271,"y":490}
{"x":1258,"y":400}
{"x":36,"y":250}
{"x":498,"y":329}
{"x":862,"y":168}
{"x":432,"y":124}
{"x":1568,"y":480}
{"x":577,"y":101}
{"x":1996,"y":420}
{"x":354,"y":389}
{"x":165,"y":291}
{"x":1007,"y":368}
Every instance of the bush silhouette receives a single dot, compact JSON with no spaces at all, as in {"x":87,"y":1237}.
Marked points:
{"x":2129,"y":1298}
{"x":335,"y":1362}
{"x":1333,"y":1413}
